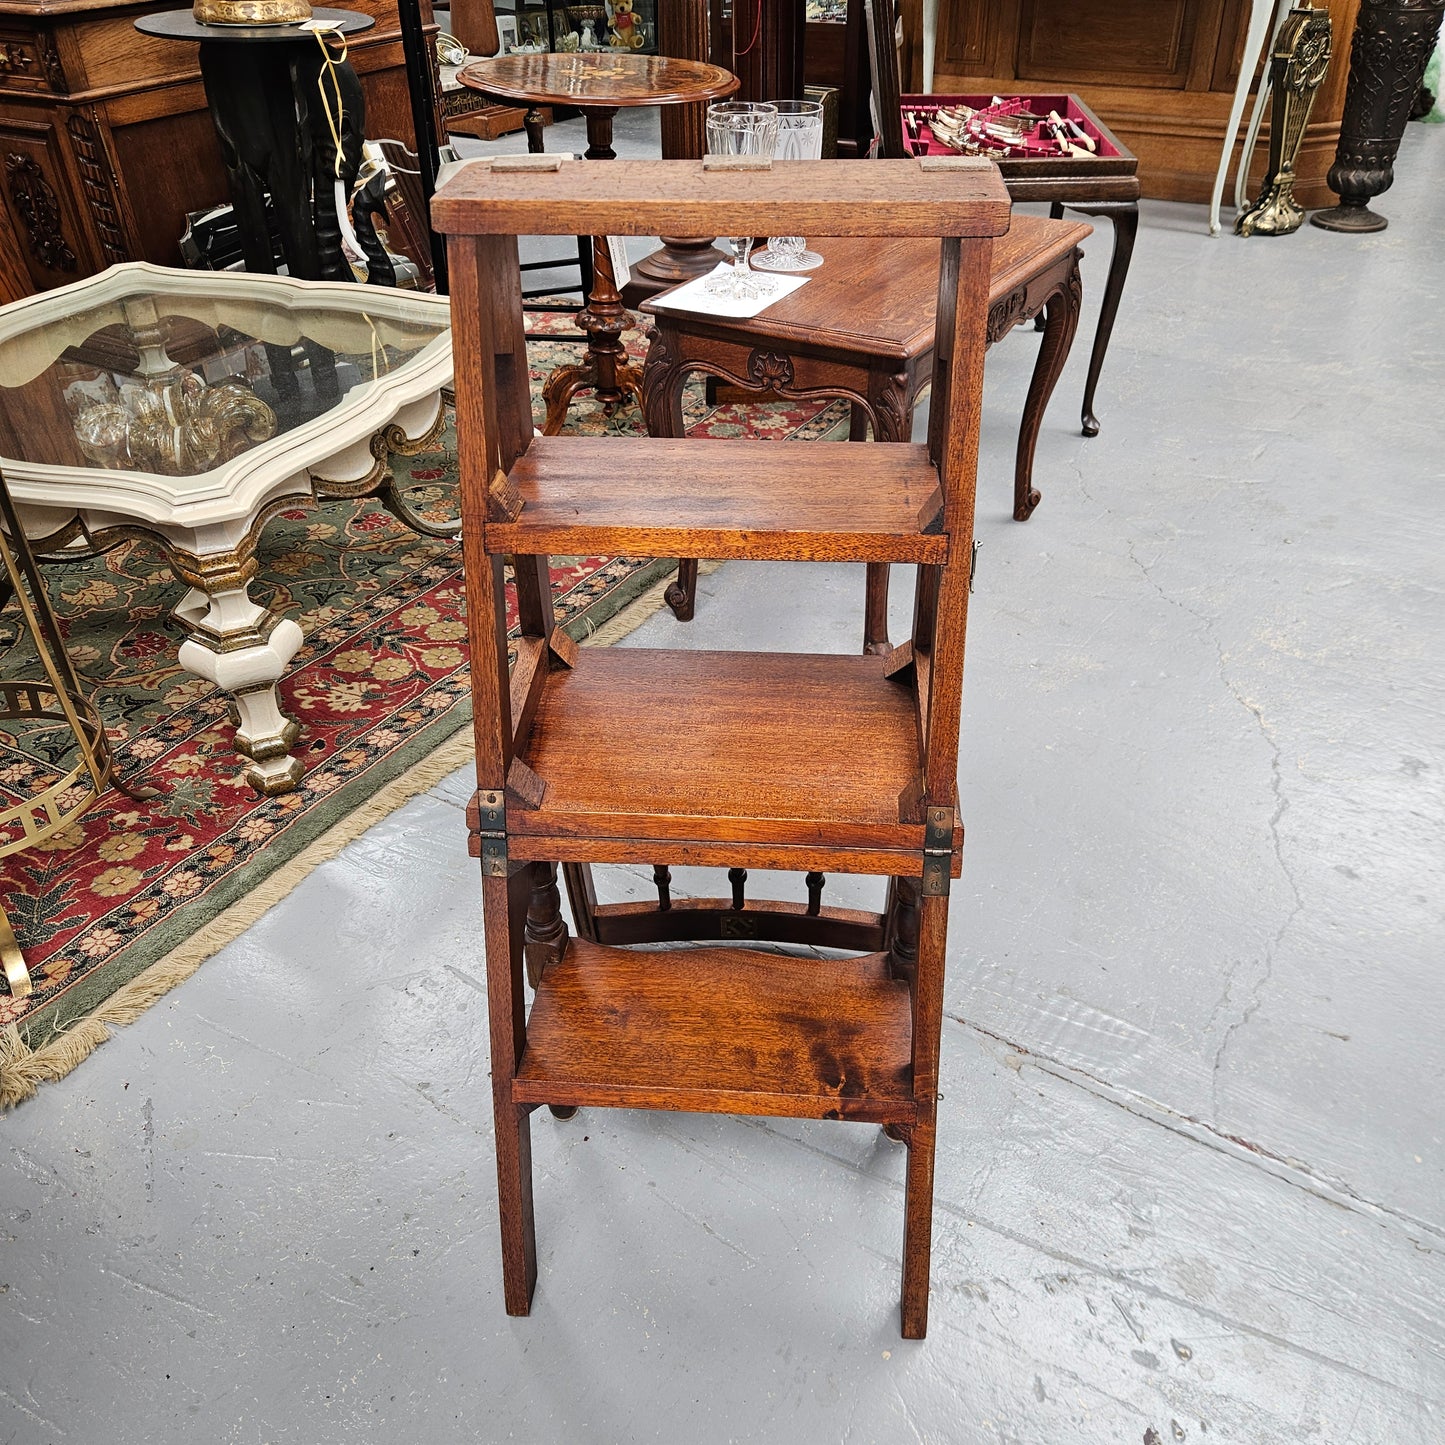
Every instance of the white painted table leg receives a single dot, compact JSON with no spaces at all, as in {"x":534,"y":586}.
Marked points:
{"x":244,"y":649}
{"x":1256,"y":117}
{"x":930,"y":43}
{"x":1259,"y":18}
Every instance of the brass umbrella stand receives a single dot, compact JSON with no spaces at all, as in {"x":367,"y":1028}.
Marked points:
{"x":56,"y":702}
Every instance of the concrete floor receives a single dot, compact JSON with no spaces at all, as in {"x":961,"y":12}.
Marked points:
{"x":1190,"y":1173}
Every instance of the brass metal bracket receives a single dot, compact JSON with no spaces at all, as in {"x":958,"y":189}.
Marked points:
{"x":937,"y":852}
{"x":494,"y":856}
{"x":489,"y":826}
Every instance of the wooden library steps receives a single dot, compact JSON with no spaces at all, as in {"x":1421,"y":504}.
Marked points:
{"x":736,"y":759}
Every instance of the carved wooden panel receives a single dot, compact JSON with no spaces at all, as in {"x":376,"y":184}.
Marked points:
{"x":1138,"y":42}
{"x":15,"y":279}
{"x":42,"y":214}
{"x":29,"y":62}
{"x":965,"y":42}
{"x":98,"y":184}
{"x":1229,"y":54}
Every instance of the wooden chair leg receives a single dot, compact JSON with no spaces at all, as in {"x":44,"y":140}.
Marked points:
{"x":918,"y":1226}
{"x":1062,"y":321}
{"x":681,"y":596}
{"x":875,"y":609}
{"x":546,"y":928}
{"x":875,"y":595}
{"x":582,"y":898}
{"x":903,"y":928}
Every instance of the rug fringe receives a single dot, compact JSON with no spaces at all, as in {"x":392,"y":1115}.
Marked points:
{"x":23,"y":1069}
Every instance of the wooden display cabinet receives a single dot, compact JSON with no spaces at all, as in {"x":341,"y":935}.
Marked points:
{"x":1161,"y":73}
{"x":734,"y":759}
{"x":106,"y":142}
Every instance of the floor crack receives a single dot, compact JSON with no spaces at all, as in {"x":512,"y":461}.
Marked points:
{"x":1265,"y":972}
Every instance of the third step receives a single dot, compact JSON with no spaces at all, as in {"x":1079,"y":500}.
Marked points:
{"x":768,"y":501}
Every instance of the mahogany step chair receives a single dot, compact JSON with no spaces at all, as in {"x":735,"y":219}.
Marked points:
{"x":734,"y":759}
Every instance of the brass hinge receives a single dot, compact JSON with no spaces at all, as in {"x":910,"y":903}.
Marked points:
{"x":489,"y":824}
{"x":937,"y":852}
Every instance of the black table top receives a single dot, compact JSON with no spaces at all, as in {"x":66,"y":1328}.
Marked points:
{"x":183,"y":25}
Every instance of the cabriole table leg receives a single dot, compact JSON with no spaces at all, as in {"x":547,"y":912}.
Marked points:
{"x":1125,"y":216}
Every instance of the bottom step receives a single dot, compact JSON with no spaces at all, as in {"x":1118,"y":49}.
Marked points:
{"x":720,"y":1030}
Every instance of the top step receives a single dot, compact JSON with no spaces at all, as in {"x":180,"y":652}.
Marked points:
{"x":680,"y":198}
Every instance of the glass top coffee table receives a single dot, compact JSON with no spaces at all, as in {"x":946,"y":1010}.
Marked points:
{"x":190,"y":407}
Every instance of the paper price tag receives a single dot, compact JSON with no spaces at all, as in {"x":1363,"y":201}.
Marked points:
{"x":617,"y":250}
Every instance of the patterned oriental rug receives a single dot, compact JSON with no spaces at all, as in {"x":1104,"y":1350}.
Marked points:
{"x":133,"y":897}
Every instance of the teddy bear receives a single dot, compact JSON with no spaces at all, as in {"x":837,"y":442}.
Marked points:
{"x":625,"y":26}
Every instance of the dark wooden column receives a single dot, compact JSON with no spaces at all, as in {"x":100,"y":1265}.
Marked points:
{"x":682,"y":33}
{"x":767,"y":52}
{"x":682,"y":29}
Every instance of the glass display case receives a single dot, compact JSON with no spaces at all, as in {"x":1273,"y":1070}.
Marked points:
{"x":626,"y":25}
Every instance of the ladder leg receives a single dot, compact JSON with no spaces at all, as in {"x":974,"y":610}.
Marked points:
{"x":514,"y":1198}
{"x":918,"y":1227}
{"x":504,"y":906}
{"x":921,"y":1135}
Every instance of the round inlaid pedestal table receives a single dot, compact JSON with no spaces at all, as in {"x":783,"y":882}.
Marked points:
{"x":598,"y":86}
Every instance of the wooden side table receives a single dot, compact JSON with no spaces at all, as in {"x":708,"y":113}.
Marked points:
{"x":598,"y":85}
{"x":1105,"y":183}
{"x":863,"y":329}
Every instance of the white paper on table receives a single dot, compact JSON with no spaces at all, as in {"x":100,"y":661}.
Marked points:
{"x":617,"y":251}
{"x":692,"y":297}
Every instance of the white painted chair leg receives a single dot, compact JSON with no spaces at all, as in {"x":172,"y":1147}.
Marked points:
{"x":1259,"y":17}
{"x":930,"y":42}
{"x":1256,"y":119}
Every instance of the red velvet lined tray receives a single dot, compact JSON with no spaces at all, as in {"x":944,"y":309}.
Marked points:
{"x":922,"y":106}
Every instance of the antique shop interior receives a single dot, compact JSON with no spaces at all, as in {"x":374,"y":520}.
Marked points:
{"x":532,"y":535}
